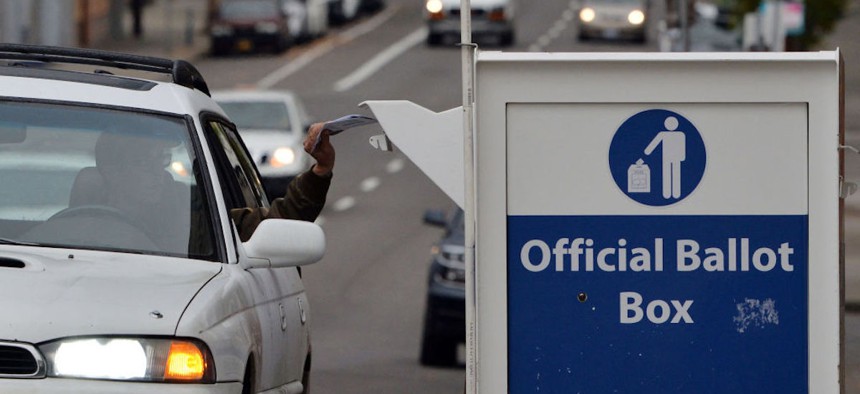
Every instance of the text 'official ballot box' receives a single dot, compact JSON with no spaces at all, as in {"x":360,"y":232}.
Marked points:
{"x":658,"y":223}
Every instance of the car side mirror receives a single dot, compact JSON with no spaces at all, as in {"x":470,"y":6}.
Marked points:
{"x":285,"y":243}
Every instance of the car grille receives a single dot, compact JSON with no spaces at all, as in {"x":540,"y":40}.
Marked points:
{"x":478,"y":12}
{"x":20,"y":361}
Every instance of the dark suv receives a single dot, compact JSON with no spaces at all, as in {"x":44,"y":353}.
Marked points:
{"x":445,"y":314}
{"x":249,"y":26}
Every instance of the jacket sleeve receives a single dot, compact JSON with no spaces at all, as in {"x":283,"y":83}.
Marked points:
{"x":304,"y":200}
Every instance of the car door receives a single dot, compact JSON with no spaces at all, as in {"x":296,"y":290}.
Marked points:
{"x":242,"y":187}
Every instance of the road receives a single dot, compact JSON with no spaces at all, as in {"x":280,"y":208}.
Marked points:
{"x":367,"y":294}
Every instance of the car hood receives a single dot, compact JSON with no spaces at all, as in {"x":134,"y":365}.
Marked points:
{"x":62,"y":293}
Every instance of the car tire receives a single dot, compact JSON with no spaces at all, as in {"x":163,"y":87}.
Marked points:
{"x":437,"y":350}
{"x":306,"y":376}
{"x":434,"y":39}
{"x":506,"y":39}
{"x":248,"y":380}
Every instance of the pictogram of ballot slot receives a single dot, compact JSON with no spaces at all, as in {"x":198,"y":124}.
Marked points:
{"x":639,"y":178}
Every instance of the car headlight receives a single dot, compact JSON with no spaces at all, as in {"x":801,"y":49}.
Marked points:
{"x":636,"y":17}
{"x":133,"y":359}
{"x":266,"y":27}
{"x":434,"y":6}
{"x":587,"y":14}
{"x":221,"y":30}
{"x":283,"y":156}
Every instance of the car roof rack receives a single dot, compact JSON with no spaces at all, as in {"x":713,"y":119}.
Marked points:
{"x":182,"y":72}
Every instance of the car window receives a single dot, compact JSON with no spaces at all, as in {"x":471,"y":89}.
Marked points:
{"x":97,"y":178}
{"x":249,"y":9}
{"x":257,"y":115}
{"x":235,"y":168}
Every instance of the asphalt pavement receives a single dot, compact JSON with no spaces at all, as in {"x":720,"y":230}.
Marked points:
{"x":175,"y":29}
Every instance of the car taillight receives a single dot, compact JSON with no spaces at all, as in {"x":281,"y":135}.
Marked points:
{"x":497,"y":15}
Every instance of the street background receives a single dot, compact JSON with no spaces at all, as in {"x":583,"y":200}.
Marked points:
{"x":367,"y":294}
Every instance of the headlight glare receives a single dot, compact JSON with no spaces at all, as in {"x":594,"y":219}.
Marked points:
{"x":283,"y":156}
{"x":636,"y":17}
{"x":132,"y":359}
{"x":434,"y":6}
{"x":587,"y":14}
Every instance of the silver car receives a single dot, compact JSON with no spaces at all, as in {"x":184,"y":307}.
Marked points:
{"x":273,"y":125}
{"x":489,"y":18}
{"x":613,"y":19}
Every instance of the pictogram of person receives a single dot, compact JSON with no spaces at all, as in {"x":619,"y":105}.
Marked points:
{"x":674,"y":152}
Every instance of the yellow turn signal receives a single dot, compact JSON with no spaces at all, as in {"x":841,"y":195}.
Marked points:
{"x":184,"y":362}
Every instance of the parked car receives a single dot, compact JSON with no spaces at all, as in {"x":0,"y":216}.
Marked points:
{"x":489,"y":18}
{"x":306,"y":19}
{"x":343,"y":11}
{"x":614,"y":19}
{"x":121,"y":270}
{"x":273,"y":125}
{"x":249,"y":26}
{"x":445,"y":311}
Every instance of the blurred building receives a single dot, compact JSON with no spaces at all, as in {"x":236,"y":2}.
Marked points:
{"x":80,"y":23}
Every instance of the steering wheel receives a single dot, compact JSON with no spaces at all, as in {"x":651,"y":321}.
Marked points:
{"x":93,"y":210}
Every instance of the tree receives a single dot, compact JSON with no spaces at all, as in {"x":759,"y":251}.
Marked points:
{"x":821,"y":16}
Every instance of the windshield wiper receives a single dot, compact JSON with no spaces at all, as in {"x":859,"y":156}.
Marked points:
{"x":7,"y":241}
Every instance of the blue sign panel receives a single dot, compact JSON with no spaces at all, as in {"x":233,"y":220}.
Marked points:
{"x":657,"y":157}
{"x":658,"y":304}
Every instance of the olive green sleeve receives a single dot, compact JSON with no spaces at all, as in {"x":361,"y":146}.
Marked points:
{"x":304,"y":200}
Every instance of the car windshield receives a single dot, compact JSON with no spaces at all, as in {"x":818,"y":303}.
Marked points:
{"x":258,"y":115}
{"x":249,"y":9}
{"x":104,"y":179}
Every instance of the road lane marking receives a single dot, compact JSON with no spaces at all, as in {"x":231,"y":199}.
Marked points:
{"x":293,"y":66}
{"x":380,"y":60}
{"x":370,"y":184}
{"x":557,"y":28}
{"x":343,"y":204}
{"x":394,"y":166}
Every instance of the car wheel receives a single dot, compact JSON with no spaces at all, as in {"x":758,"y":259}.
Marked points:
{"x":437,"y":350}
{"x":434,"y":39}
{"x":306,"y":376}
{"x":248,"y":380}
{"x":507,"y":39}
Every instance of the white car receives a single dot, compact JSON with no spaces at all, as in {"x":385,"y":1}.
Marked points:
{"x":306,"y":19}
{"x":122,"y":270}
{"x":489,"y":18}
{"x":273,"y":125}
{"x":613,"y":19}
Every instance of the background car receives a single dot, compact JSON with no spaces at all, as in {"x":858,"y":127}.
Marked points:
{"x":249,"y":26}
{"x":493,"y":18}
{"x":613,"y":20}
{"x":119,"y":217}
{"x":307,"y":19}
{"x":273,"y":125}
{"x":445,"y":311}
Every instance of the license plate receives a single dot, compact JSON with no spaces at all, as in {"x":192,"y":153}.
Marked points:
{"x":610,"y":33}
{"x":245,"y":45}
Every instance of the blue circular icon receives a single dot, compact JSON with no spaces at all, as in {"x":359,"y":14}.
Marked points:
{"x":657,"y":157}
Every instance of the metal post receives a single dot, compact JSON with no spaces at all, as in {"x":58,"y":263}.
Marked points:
{"x":467,"y":50}
{"x":685,"y":25}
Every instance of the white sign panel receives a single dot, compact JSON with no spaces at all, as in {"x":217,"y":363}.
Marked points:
{"x":658,"y":224}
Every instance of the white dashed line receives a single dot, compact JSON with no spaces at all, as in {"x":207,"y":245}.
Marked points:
{"x":370,"y":184}
{"x":394,"y":166}
{"x":380,"y":60}
{"x":324,"y":47}
{"x":343,"y":204}
{"x":557,"y":28}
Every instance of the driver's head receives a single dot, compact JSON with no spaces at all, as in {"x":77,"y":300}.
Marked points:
{"x":133,"y":166}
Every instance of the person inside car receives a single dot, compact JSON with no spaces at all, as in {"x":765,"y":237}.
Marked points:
{"x":130,"y":176}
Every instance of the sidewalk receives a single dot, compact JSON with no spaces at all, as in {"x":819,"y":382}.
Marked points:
{"x":171,"y":29}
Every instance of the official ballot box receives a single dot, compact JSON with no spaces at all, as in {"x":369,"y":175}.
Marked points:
{"x":658,"y":223}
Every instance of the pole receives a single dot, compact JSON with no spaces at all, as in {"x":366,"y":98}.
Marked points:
{"x":467,"y":50}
